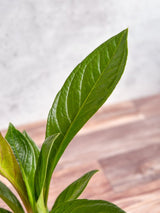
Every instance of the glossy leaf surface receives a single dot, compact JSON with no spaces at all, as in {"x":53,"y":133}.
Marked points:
{"x":10,"y":199}
{"x":74,"y":190}
{"x":34,"y":146}
{"x":43,"y":163}
{"x":87,"y":206}
{"x":10,"y":169}
{"x":4,"y":211}
{"x":84,"y":92}
{"x":25,"y":156}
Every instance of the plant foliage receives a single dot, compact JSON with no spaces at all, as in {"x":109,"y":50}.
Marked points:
{"x":29,"y":169}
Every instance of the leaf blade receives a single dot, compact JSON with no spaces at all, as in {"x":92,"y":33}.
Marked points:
{"x":34,"y":146}
{"x":24,"y":154}
{"x":84,"y":92}
{"x":43,"y":164}
{"x":74,"y":190}
{"x":85,"y":206}
{"x":10,"y":199}
{"x":4,"y":211}
{"x":9,"y":168}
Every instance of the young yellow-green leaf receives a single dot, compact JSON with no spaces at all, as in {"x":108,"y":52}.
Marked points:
{"x":34,"y":146}
{"x":87,"y":206}
{"x":4,"y":211}
{"x":40,"y":205}
{"x":10,"y":169}
{"x":25,"y":156}
{"x":74,"y":190}
{"x":84,"y":92}
{"x":10,"y":199}
{"x":43,"y":164}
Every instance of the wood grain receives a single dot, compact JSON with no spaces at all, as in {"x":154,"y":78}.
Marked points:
{"x":123,"y":142}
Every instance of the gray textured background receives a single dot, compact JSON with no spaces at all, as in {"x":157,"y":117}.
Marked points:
{"x":41,"y":41}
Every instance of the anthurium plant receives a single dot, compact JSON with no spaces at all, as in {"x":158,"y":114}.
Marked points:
{"x":29,"y":169}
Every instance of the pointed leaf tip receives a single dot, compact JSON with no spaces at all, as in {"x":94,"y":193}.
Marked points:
{"x":74,"y":190}
{"x":25,"y":156}
{"x":84,"y":92}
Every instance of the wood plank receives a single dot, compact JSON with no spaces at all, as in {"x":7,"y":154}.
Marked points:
{"x":68,"y":175}
{"x":123,"y":142}
{"x":149,"y":203}
{"x":131,"y":173}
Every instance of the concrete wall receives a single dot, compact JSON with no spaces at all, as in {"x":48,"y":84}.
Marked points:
{"x":41,"y":41}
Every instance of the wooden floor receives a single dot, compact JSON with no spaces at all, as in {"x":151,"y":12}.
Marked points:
{"x":123,"y":142}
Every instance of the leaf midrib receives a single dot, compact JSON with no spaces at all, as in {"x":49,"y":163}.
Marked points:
{"x":65,"y":136}
{"x":90,"y":93}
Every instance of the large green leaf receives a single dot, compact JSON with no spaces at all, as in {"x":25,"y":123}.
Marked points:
{"x":4,"y":211}
{"x":84,"y":92}
{"x":10,"y":199}
{"x":74,"y":190}
{"x":86,"y":206}
{"x":34,"y":146}
{"x":10,"y":169}
{"x":25,"y":156}
{"x":43,"y":164}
